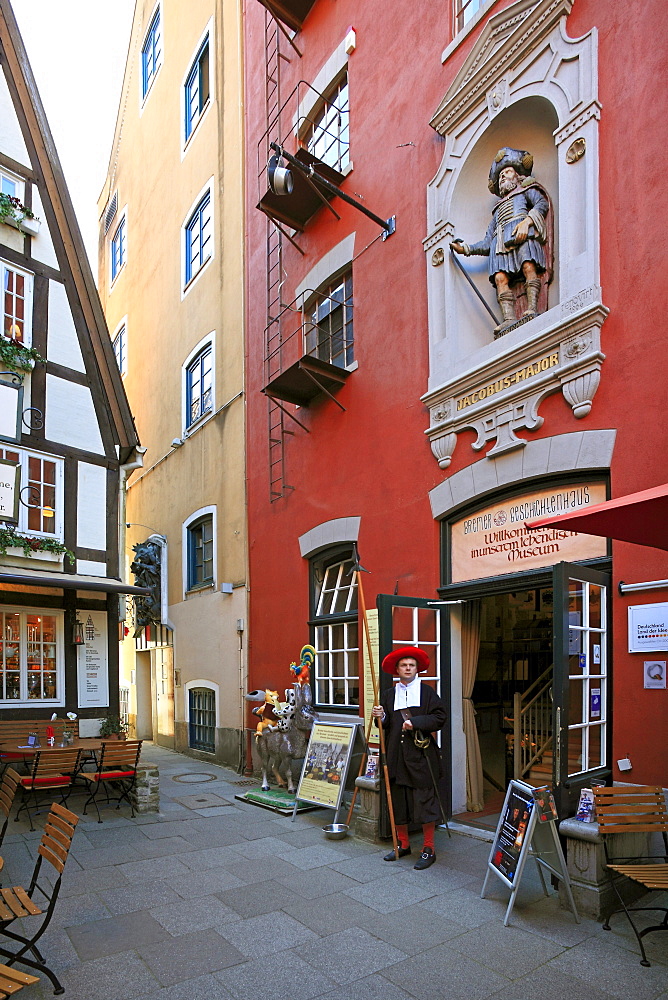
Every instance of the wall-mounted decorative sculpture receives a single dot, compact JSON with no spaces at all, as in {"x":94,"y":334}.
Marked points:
{"x":146,"y":568}
{"x":518,"y":239}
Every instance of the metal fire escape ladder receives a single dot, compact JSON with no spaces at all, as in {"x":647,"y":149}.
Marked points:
{"x":276,"y":414}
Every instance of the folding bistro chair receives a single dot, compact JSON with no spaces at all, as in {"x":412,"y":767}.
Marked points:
{"x":11,"y":981}
{"x":52,"y":770}
{"x":117,"y":768}
{"x":8,"y":786}
{"x":19,"y":902}
{"x":635,"y":809}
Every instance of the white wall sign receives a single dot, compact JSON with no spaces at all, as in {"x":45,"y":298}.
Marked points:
{"x":494,"y":540}
{"x":92,"y":661}
{"x":10,"y":483}
{"x":648,"y":628}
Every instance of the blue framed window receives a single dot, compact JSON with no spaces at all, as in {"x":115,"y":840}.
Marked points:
{"x":151,"y":54}
{"x":118,"y":249}
{"x":199,"y":386}
{"x":197,"y":89}
{"x":200,"y":552}
{"x":198,"y":238}
{"x":121,"y":350}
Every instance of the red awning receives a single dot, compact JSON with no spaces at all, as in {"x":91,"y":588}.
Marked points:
{"x":639,"y":517}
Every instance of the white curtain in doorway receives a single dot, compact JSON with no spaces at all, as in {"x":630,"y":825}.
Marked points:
{"x":470,"y":648}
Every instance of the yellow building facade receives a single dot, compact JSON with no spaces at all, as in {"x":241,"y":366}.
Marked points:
{"x":171,"y":283}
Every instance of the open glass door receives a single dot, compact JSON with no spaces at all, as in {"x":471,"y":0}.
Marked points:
{"x":580,"y":725}
{"x":416,"y":621}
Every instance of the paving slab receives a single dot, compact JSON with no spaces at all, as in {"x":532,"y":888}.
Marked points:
{"x":613,"y":969}
{"x":140,"y":897}
{"x":201,"y":988}
{"x":317,"y":882}
{"x":273,"y":932}
{"x":492,"y":944}
{"x":371,"y":988}
{"x":197,"y":884}
{"x":553,"y":986}
{"x":112,"y":935}
{"x":194,"y":915}
{"x":189,"y":956}
{"x":349,"y":955}
{"x":254,"y":900}
{"x":335,"y":913}
{"x":416,"y":930}
{"x":115,"y":977}
{"x":266,"y":979}
{"x":442,"y":972}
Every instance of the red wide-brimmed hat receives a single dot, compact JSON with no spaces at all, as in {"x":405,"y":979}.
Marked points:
{"x":389,"y":664}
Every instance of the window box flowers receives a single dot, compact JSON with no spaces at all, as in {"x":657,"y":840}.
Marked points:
{"x":14,"y":213}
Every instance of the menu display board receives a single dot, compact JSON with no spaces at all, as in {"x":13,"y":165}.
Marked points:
{"x":526,"y":828}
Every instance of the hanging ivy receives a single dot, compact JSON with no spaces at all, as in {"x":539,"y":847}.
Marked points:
{"x":16,"y":355}
{"x":10,"y":538}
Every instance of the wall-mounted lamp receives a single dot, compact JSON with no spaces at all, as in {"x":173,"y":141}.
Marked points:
{"x":78,"y":634}
{"x":280,"y":178}
{"x":176,"y":443}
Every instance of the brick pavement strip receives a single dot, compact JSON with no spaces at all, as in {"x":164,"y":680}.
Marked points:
{"x":239,"y":905}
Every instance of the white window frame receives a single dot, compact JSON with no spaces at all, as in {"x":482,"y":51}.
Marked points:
{"x":334,"y":68}
{"x":122,"y":221}
{"x":197,"y":515}
{"x":24,"y":456}
{"x":207,"y":35}
{"x":5,"y":265}
{"x":122,"y":328}
{"x":201,"y":683}
{"x":323,"y":675}
{"x":320,"y":129}
{"x":15,"y":179}
{"x":187,"y":285}
{"x":25,"y":702}
{"x":144,"y":93}
{"x":189,"y":428}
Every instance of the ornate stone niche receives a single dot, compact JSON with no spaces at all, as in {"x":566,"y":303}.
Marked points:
{"x":528,"y":85}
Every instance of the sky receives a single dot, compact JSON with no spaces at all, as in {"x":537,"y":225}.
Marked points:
{"x":77,"y":50}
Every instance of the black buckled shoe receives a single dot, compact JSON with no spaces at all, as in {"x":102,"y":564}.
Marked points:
{"x":427,"y":859}
{"x":403,"y":851}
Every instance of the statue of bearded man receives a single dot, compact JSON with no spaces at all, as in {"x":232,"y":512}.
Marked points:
{"x":516,"y":236}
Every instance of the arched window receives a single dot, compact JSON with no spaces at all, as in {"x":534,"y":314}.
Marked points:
{"x":202,"y":719}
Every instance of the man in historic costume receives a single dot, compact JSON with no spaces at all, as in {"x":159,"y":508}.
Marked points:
{"x":410,"y":712}
{"x":516,"y":237}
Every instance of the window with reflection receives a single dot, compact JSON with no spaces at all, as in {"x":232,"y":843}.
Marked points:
{"x":31,"y":655}
{"x":587,"y":676}
{"x":41,"y":513}
{"x":328,"y":137}
{"x":335,"y":628}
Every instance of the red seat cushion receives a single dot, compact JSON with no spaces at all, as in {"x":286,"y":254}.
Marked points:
{"x":56,"y":779}
{"x":109,"y":775}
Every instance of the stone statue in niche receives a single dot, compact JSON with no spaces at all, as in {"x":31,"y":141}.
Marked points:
{"x":518,"y":240}
{"x":146,"y":567}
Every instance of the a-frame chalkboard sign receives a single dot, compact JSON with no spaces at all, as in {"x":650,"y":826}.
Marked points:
{"x":527,"y":828}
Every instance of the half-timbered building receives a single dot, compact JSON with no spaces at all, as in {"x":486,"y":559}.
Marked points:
{"x":67,"y":439}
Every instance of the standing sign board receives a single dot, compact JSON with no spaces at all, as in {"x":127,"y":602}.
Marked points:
{"x":526,"y":828}
{"x":326,"y":763}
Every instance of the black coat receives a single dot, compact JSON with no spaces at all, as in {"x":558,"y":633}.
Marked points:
{"x":406,"y":763}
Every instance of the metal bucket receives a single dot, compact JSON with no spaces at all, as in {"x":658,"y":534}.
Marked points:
{"x":336,"y":831}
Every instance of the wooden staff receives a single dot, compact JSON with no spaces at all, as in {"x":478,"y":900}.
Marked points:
{"x":383,"y":760}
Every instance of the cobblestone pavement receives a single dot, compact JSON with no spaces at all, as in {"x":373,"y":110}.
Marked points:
{"x":216,"y":899}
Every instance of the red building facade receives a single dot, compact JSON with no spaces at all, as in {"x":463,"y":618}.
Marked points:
{"x":384,"y":411}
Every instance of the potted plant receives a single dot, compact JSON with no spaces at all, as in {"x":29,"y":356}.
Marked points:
{"x":67,"y":734}
{"x":14,"y":213}
{"x":113,"y":728}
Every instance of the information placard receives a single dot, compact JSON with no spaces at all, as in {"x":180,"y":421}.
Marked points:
{"x":648,"y":628}
{"x":526,"y":828}
{"x":92,"y":661}
{"x":325,"y":768}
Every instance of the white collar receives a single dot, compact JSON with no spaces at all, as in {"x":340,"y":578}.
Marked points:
{"x":407,"y":695}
